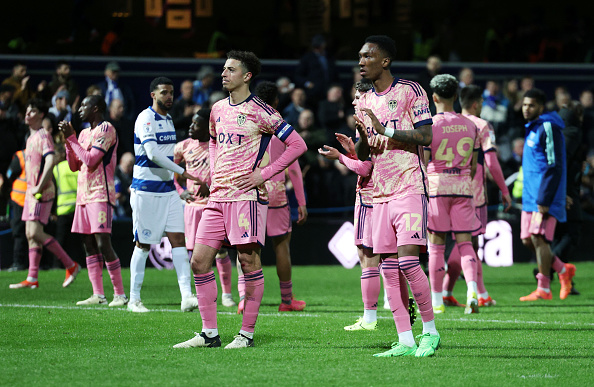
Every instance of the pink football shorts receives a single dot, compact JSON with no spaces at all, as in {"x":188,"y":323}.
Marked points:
{"x":399,"y":222}
{"x":192,"y":216}
{"x":363,"y":225}
{"x":36,"y":210}
{"x":278,"y":221}
{"x":452,"y":213}
{"x":535,"y":223}
{"x":92,"y":218}
{"x":241,"y":223}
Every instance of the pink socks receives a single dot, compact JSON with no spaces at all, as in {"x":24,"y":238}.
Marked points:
{"x":436,"y":266}
{"x":95,"y":270}
{"x":52,"y":245}
{"x":469,"y":261}
{"x":286,"y":289}
{"x":115,"y":274}
{"x":370,"y":287}
{"x":34,"y":259}
{"x":254,"y":290}
{"x":224,"y":269}
{"x":419,"y":285}
{"x":206,"y":291}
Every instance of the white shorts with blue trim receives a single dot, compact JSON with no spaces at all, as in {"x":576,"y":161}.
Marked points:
{"x":154,"y":215}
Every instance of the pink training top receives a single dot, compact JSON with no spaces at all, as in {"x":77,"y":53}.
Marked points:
{"x":94,"y":154}
{"x":39,"y":145}
{"x":276,"y":187}
{"x":240,"y":135}
{"x":398,"y":168}
{"x":486,"y":137}
{"x":455,"y":137}
{"x":195,"y":154}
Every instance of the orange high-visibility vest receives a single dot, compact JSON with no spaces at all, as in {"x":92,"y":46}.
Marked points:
{"x":19,"y":187}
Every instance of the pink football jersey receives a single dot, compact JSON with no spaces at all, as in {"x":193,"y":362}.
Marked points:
{"x":455,"y":138}
{"x":97,"y":185}
{"x":398,"y":168}
{"x":195,"y":154}
{"x":241,"y":133}
{"x":39,"y":145}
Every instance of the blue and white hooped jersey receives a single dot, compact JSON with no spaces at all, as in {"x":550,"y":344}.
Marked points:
{"x":148,"y":176}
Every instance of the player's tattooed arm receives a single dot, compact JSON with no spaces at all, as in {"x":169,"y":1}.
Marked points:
{"x":362,"y":146}
{"x":419,"y":136}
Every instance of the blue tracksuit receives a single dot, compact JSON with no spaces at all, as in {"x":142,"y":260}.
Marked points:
{"x":544,"y":167}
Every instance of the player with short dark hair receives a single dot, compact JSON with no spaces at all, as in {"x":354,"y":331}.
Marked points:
{"x":451,"y":161}
{"x":396,"y":120}
{"x":94,"y":155}
{"x":543,"y":195}
{"x":156,"y":208}
{"x":39,"y":162}
{"x":241,"y":127}
{"x":471,"y":100}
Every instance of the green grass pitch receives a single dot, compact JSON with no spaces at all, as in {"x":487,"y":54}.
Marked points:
{"x":47,"y":340}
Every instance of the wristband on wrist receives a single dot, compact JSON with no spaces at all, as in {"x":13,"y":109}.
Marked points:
{"x":389,"y":132}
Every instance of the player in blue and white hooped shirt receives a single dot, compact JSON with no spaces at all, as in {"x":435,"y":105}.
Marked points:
{"x":156,"y":208}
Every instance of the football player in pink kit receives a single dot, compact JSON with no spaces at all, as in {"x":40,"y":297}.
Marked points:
{"x":471,"y":100}
{"x":452,"y":158}
{"x":278,"y":220}
{"x":370,"y":271}
{"x":397,"y":121}
{"x":94,"y":155}
{"x":241,"y":127}
{"x":193,"y":152}
{"x":39,"y":162}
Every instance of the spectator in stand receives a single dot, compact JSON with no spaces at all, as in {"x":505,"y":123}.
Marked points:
{"x":466,"y":77}
{"x":515,"y":120}
{"x":331,"y":110}
{"x":8,"y":109}
{"x":203,"y":87}
{"x":432,"y":68}
{"x":587,"y":101}
{"x":495,"y":108}
{"x":112,"y":88}
{"x":184,"y":109}
{"x":123,"y":180}
{"x":61,"y":110}
{"x":93,"y":90}
{"x":19,"y":80}
{"x":285,"y":88}
{"x":316,"y":71}
{"x":313,"y":136}
{"x":61,"y":80}
{"x":297,"y":105}
{"x":216,"y":96}
{"x":562,"y":99}
{"x":527,"y":83}
{"x":123,"y":126}
{"x":356,"y":74}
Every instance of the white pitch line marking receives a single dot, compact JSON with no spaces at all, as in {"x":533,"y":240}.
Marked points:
{"x":102,"y":308}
